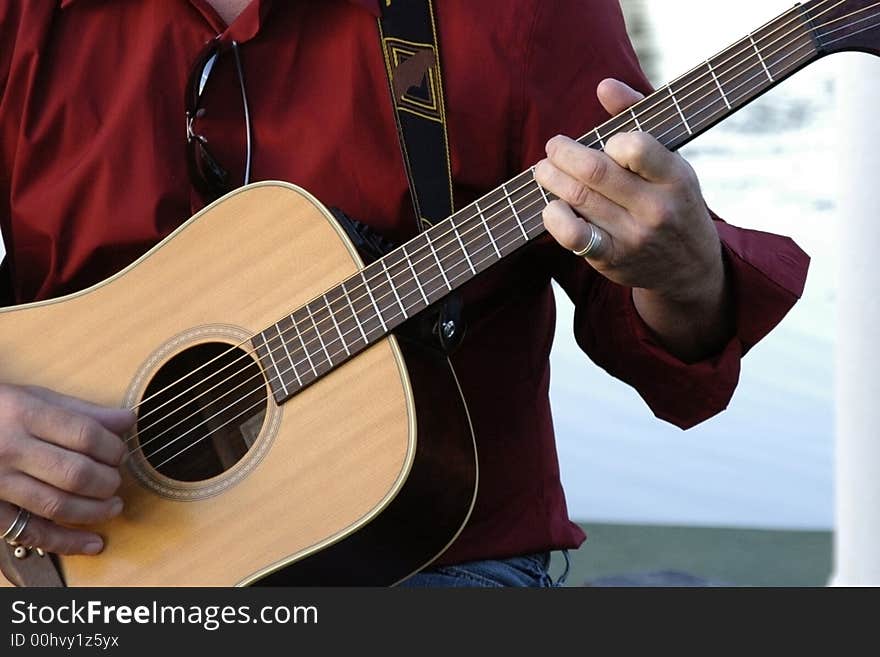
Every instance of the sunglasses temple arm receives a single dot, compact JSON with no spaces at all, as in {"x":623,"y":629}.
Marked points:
{"x":247,"y":113}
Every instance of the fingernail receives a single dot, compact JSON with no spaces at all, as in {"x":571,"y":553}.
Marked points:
{"x":93,"y":548}
{"x":116,"y":507}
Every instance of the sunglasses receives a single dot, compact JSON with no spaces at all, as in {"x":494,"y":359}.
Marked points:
{"x":206,"y":172}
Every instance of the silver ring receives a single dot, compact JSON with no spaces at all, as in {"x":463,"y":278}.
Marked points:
{"x":16,"y":529}
{"x":593,"y":244}
{"x":14,"y":522}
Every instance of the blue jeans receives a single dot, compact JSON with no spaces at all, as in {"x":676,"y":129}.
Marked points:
{"x":531,"y":570}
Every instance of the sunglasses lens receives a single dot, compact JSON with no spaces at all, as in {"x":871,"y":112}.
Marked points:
{"x":210,"y":170}
{"x":198,"y":77}
{"x":211,"y":179}
{"x":206,"y":172}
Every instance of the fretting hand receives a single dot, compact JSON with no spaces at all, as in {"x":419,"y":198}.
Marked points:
{"x":655,"y":232}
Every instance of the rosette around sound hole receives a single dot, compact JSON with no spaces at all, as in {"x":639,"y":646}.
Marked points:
{"x":201,"y":412}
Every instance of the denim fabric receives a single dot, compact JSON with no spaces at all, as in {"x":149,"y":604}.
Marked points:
{"x":530,"y":570}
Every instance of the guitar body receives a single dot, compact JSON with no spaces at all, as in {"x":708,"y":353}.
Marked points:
{"x":329,"y":484}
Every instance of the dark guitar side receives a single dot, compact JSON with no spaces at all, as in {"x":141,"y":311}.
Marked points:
{"x":430,"y":510}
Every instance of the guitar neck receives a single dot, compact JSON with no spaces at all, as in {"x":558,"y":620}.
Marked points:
{"x":366,"y":307}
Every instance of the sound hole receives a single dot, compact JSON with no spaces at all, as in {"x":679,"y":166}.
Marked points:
{"x":201,"y":412}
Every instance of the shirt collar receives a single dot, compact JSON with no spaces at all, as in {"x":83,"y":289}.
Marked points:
{"x":370,"y":5}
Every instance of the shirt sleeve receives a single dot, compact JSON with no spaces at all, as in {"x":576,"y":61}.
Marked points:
{"x":573,"y":46}
{"x":8,"y":23}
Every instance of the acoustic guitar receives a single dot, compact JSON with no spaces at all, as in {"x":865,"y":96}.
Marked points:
{"x":284,"y":433}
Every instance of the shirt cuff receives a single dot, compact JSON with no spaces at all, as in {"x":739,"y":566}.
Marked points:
{"x":766,"y":274}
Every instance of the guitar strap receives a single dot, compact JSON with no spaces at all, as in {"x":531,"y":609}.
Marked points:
{"x":26,"y":567}
{"x":408,"y":34}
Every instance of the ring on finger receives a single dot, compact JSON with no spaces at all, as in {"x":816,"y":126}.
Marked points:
{"x":16,"y":529}
{"x":593,"y":244}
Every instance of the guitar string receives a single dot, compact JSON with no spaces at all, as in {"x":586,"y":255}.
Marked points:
{"x":501,"y":201}
{"x":342,"y":341}
{"x":341,"y":338}
{"x":327,"y":316}
{"x":485,"y":246}
{"x":513,"y":229}
{"x":257,"y":404}
{"x":847,"y":27}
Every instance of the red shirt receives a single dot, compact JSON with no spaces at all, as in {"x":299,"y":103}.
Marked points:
{"x":93,"y":173}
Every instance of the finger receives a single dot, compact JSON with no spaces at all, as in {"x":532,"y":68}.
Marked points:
{"x":573,"y":232}
{"x":39,"y":532}
{"x":588,"y":202}
{"x":70,"y":471}
{"x":54,"y":504}
{"x":73,"y":431}
{"x":596,"y":171}
{"x":117,"y":420}
{"x":643,"y":155}
{"x":616,"y":96}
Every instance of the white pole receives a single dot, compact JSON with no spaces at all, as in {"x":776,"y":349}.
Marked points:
{"x":857,"y":460}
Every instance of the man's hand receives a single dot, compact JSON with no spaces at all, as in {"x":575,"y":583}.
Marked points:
{"x":59,"y":459}
{"x":658,"y":236}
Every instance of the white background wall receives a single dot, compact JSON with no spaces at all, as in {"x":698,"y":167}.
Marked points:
{"x":766,"y":461}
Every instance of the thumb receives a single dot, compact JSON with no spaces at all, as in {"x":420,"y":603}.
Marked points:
{"x":617,"y":96}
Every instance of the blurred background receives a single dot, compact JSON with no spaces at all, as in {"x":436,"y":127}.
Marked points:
{"x":747,"y":497}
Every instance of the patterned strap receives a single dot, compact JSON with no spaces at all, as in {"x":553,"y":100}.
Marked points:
{"x":412,"y":61}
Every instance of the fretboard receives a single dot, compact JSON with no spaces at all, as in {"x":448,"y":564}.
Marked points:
{"x":314,"y":339}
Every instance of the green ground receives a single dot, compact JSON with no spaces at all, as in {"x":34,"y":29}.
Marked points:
{"x":732,"y":557}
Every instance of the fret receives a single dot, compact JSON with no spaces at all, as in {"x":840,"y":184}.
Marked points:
{"x":529,"y":202}
{"x":760,"y":58}
{"x":453,"y":259}
{"x":718,"y":84}
{"x":364,"y":309}
{"x":345,"y":321}
{"x":540,"y":189}
{"x":336,"y":324}
{"x":486,"y":226}
{"x":354,"y":314}
{"x":426,"y":270}
{"x":268,"y":364}
{"x":453,"y":251}
{"x":505,"y":228}
{"x":373,"y":299}
{"x":393,"y":288}
{"x":513,"y":211}
{"x":287,"y":352}
{"x":785,"y":45}
{"x":739,"y":73}
{"x":700,"y":101}
{"x":409,"y":283}
{"x":618,"y":124}
{"x":293,"y":323}
{"x":274,"y":364}
{"x":678,"y":109}
{"x":430,"y":244}
{"x":311,"y":315}
{"x":635,"y":118}
{"x":463,"y":250}
{"x":657,"y":117}
{"x":415,"y":275}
